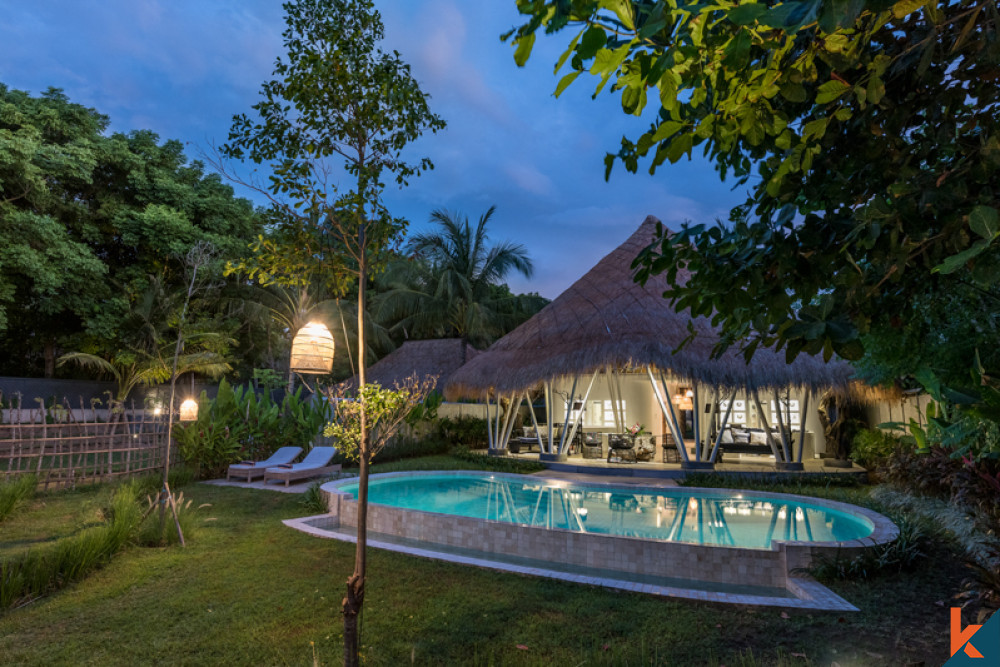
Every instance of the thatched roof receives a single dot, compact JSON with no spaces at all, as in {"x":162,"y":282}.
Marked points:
{"x":605,"y":318}
{"x":440,"y":358}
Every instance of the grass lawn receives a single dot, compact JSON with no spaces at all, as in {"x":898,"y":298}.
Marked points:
{"x":248,"y":590}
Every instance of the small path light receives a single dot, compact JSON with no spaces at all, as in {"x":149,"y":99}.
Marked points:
{"x":312,"y":349}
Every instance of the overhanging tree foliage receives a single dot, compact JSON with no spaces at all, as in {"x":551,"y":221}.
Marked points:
{"x":865,"y":130}
{"x":338,"y":96}
{"x":88,"y":222}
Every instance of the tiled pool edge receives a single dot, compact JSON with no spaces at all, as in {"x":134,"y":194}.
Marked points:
{"x":809,"y":594}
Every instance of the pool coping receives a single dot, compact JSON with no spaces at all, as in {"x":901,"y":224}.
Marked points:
{"x":808,"y":593}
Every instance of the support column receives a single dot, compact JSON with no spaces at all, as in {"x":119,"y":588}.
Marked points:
{"x":698,"y":463}
{"x":767,"y":427}
{"x":722,"y":426}
{"x":802,"y":425}
{"x":668,"y":415}
{"x":579,"y":417}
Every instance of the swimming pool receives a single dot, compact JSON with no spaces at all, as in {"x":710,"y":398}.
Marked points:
{"x":678,"y":515}
{"x":728,"y":537}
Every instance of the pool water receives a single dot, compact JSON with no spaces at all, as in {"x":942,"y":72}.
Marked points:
{"x":678,"y":515}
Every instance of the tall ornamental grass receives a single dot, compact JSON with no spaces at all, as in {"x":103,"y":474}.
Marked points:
{"x":35,"y":573}
{"x":15,"y":493}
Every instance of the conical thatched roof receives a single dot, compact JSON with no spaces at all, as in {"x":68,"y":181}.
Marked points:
{"x":440,"y":358}
{"x":605,"y":318}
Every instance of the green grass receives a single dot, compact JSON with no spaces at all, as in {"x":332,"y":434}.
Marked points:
{"x":248,"y":590}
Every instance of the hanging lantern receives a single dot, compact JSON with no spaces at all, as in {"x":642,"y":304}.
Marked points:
{"x":189,"y":410}
{"x":683,"y":399}
{"x":312,"y":349}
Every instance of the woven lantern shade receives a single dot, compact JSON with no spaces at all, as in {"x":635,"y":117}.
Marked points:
{"x":189,"y":410}
{"x":312,"y":349}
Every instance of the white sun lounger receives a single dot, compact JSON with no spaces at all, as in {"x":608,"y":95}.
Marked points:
{"x":316,"y":463}
{"x":252,"y":469}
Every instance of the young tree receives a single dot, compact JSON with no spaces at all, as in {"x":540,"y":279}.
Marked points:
{"x":869,"y":128}
{"x":337,"y":95}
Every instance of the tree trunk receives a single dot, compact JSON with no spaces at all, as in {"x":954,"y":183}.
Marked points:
{"x":355,"y":597}
{"x":50,"y":359}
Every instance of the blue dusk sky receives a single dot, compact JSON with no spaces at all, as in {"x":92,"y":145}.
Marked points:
{"x":182,"y":68}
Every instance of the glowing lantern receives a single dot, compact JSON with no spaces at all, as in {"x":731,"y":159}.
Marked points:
{"x":683,"y":399}
{"x":312,"y":349}
{"x":189,"y":410}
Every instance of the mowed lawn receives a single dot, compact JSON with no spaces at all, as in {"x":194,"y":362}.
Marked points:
{"x":248,"y":590}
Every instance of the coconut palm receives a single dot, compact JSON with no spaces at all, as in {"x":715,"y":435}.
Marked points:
{"x":453,"y":283}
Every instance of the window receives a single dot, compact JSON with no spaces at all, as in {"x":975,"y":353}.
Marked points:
{"x":790,"y":414}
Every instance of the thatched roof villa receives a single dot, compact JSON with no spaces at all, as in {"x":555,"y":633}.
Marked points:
{"x":606,"y":324}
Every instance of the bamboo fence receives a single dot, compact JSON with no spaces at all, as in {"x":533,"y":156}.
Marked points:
{"x":63,"y":446}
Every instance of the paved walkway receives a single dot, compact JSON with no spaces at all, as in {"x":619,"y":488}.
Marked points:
{"x":656,"y":469}
{"x":297,"y":487}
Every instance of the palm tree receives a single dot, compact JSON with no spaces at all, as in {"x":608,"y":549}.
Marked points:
{"x":453,"y":285}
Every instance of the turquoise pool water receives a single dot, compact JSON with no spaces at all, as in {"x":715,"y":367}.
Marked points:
{"x":676,"y":514}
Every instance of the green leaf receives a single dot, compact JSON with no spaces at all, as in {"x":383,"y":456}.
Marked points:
{"x":816,"y":128}
{"x":746,"y":14}
{"x":565,"y":81}
{"x":904,"y":7}
{"x":678,"y":147}
{"x":524,"y":45}
{"x":793,"y":92}
{"x":738,"y":51}
{"x":983,"y":221}
{"x":956,"y":262}
{"x":623,"y":10}
{"x":593,"y":41}
{"x":666,"y":130}
{"x":830,"y":91}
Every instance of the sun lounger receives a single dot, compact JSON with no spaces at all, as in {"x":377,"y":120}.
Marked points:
{"x":316,"y":463}
{"x":251,"y":469}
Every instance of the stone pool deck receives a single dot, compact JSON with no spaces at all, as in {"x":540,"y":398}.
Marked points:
{"x":656,"y":469}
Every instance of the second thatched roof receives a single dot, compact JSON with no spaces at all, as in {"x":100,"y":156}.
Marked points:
{"x":440,"y":358}
{"x":607,"y":319}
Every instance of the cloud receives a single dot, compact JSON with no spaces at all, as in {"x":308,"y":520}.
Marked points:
{"x":529,"y":178}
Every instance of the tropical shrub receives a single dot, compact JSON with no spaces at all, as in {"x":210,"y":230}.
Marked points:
{"x":238,"y":424}
{"x":312,"y":500}
{"x":153,"y":533}
{"x":902,"y":554}
{"x":872,"y":447}
{"x":497,"y":463}
{"x":467,"y":431}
